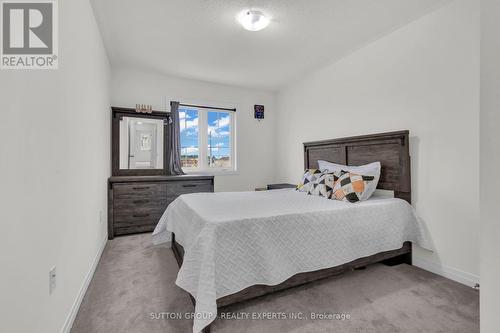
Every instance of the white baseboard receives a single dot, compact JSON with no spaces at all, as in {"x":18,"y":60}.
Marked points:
{"x":76,"y":304}
{"x":451,"y":273}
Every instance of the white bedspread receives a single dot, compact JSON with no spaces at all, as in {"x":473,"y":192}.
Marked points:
{"x":239,"y":239}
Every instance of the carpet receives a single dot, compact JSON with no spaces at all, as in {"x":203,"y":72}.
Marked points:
{"x":133,"y":291}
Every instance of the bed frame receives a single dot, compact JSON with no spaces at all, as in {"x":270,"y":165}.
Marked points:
{"x":392,"y":150}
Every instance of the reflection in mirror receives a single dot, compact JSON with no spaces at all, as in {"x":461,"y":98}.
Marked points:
{"x":141,"y":143}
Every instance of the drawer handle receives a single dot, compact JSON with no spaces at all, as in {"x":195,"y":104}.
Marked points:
{"x":140,"y":201}
{"x":189,"y":185}
{"x":140,"y":215}
{"x":138,"y":188}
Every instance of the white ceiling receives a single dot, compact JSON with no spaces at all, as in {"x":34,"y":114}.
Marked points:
{"x":201,"y":39}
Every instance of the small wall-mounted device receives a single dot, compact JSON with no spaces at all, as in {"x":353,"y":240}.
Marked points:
{"x":52,"y":280}
{"x":258,"y":111}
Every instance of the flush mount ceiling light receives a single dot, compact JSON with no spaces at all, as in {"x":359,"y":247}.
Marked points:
{"x":253,"y":20}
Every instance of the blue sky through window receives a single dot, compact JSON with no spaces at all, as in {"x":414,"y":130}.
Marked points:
{"x":189,"y":128}
{"x":189,"y":131}
{"x":218,"y":140}
{"x":219,"y":143}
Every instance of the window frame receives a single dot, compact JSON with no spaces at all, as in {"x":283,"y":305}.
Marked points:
{"x":203,"y":167}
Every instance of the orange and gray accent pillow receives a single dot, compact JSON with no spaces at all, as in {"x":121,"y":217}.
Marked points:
{"x":350,"y":187}
{"x":323,"y":186}
{"x":308,"y":179}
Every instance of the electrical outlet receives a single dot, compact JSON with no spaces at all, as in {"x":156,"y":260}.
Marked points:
{"x":52,"y":280}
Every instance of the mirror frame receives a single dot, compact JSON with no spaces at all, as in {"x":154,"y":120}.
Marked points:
{"x":118,"y":113}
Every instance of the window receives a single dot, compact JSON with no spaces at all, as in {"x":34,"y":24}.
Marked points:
{"x":207,"y":139}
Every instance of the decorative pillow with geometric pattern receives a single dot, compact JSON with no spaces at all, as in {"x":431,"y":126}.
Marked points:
{"x":325,"y":183}
{"x":309,"y":177}
{"x":351,"y":187}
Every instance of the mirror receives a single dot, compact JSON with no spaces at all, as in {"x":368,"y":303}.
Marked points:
{"x":141,"y":143}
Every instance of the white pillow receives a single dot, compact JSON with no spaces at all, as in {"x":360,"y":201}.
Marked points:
{"x":372,"y":169}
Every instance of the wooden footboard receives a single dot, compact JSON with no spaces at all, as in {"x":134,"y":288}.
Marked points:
{"x":394,"y":257}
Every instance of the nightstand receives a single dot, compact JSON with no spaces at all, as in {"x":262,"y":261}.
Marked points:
{"x":280,"y":186}
{"x":275,"y":187}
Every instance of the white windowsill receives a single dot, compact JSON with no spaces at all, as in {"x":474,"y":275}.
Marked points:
{"x":212,"y":172}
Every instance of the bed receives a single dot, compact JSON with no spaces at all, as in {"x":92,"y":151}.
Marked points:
{"x":232,"y":247}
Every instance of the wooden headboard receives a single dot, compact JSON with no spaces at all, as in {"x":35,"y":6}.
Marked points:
{"x":391,"y":149}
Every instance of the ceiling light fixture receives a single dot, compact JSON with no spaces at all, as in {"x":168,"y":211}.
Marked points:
{"x":253,"y":20}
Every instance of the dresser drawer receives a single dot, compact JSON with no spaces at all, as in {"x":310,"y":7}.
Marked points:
{"x":138,"y":213}
{"x":132,"y":205}
{"x":137,"y":219}
{"x":140,"y":191}
{"x":133,"y":229}
{"x":175,"y":189}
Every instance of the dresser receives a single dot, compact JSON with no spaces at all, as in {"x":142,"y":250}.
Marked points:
{"x":136,"y":203}
{"x":141,"y":186}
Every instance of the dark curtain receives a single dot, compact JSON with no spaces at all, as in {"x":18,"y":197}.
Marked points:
{"x":174,"y":161}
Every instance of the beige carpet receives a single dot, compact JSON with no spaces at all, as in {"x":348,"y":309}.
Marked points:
{"x":136,"y":281}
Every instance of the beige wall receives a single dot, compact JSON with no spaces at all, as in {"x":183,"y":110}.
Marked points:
{"x":254,"y":139}
{"x":54,"y":144}
{"x":490,"y":164}
{"x":423,"y":77}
